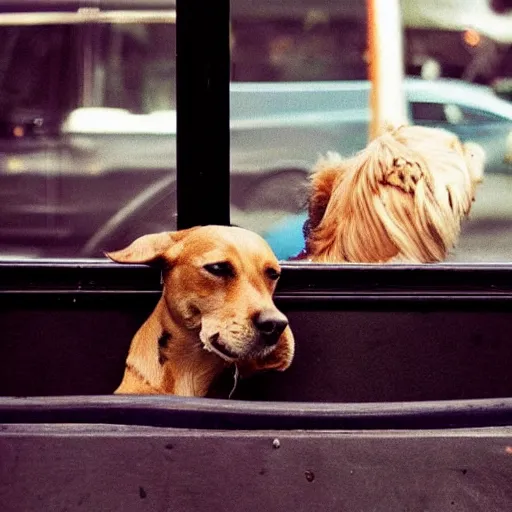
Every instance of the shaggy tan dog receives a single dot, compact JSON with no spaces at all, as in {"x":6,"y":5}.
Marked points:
{"x":401,"y":199}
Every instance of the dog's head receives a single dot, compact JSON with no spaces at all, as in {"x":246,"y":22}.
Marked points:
{"x":218,"y":282}
{"x":400,"y":199}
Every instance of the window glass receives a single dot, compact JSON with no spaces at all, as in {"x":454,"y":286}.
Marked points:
{"x":424,"y":112}
{"x":478,"y":116}
{"x":308,"y":48}
{"x":300,"y":89}
{"x":283,"y":115}
{"x":88,"y":119}
{"x":87,"y":137}
{"x":428,"y":111}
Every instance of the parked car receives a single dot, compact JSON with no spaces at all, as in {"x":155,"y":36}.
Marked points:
{"x":338,"y":112}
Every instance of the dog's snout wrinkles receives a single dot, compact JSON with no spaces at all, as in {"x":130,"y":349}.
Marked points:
{"x":270,"y":326}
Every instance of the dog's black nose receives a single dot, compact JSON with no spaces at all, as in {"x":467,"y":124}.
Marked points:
{"x":271,"y":325}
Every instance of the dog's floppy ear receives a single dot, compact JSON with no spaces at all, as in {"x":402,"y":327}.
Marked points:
{"x":326,"y":171}
{"x":279,"y":359}
{"x":148,"y":248}
{"x":144,"y":249}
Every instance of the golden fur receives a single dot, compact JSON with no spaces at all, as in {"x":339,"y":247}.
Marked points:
{"x":216,"y":310}
{"x":401,"y":199}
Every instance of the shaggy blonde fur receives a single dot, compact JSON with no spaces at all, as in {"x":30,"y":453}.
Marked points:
{"x":400,"y":199}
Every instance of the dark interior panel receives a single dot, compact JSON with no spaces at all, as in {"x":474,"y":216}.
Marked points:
{"x":393,"y":355}
{"x":65,"y":344}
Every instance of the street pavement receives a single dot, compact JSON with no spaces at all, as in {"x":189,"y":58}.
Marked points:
{"x":487,"y":233}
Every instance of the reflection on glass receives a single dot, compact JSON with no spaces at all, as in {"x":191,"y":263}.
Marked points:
{"x":87,"y":120}
{"x":87,"y":125}
{"x":299,"y":90}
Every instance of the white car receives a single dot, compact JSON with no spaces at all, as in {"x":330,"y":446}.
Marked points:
{"x":335,"y":116}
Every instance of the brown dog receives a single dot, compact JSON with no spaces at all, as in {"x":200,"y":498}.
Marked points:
{"x":216,"y":310}
{"x":401,"y":199}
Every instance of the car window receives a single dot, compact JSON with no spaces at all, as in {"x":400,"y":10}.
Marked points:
{"x":428,"y":111}
{"x":88,"y":120}
{"x":87,"y":136}
{"x":480,"y":116}
{"x":300,"y":90}
{"x":32,"y":99}
{"x":425,"y":112}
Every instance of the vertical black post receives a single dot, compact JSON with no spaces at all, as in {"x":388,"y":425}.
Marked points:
{"x":203,"y":63}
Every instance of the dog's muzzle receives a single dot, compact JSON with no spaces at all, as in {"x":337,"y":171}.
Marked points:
{"x":221,"y":347}
{"x":270,"y":325}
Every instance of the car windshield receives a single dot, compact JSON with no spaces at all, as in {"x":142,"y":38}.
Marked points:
{"x":88,"y":118}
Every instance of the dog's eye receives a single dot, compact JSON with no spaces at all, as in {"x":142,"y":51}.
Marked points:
{"x":272,"y":273}
{"x":221,"y":269}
